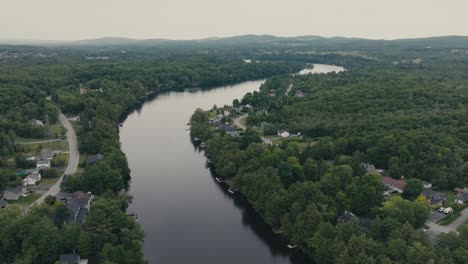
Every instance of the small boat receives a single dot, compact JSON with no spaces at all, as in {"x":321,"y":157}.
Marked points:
{"x":232,"y":190}
{"x":196,"y":139}
{"x":275,"y":231}
{"x":188,"y":124}
{"x":291,"y":246}
{"x":219,"y":179}
{"x":203,"y":145}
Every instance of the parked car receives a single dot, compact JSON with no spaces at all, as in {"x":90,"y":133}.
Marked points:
{"x":448,"y":210}
{"x":441,"y":209}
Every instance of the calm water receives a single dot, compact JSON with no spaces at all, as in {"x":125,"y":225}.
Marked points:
{"x":187,"y":217}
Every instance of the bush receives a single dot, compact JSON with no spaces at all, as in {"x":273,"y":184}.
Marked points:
{"x":49,"y":173}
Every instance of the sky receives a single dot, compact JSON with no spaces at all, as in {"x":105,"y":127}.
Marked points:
{"x":195,"y":19}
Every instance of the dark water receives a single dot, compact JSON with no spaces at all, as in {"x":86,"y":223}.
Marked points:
{"x":187,"y":217}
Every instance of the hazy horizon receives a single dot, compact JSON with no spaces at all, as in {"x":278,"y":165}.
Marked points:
{"x":59,"y":20}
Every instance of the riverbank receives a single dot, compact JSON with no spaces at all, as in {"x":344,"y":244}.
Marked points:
{"x":175,"y":194}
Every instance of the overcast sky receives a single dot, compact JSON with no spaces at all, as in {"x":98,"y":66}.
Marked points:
{"x":188,"y":19}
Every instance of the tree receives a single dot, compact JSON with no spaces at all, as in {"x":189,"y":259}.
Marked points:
{"x":50,"y":200}
{"x":412,"y":189}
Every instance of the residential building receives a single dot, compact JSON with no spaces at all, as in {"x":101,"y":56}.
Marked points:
{"x":394,"y":184}
{"x":45,"y":154}
{"x":229,"y":129}
{"x":93,"y":159}
{"x":300,"y":94}
{"x":370,"y":168}
{"x":283,"y":133}
{"x":71,"y":259}
{"x":14,"y":193}
{"x":462,"y":199}
{"x":42,"y":163}
{"x":79,"y":204}
{"x":426,"y":185}
{"x":32,"y":178}
{"x":435,"y":198}
{"x":346,"y":216}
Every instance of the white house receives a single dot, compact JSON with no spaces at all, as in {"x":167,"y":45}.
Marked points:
{"x":283,"y":133}
{"x":32,"y":179}
{"x":42,"y":163}
{"x":462,"y":199}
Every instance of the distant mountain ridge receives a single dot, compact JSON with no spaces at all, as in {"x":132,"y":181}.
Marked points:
{"x":258,"y":40}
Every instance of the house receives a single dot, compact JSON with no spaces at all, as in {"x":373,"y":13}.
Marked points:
{"x":434,"y":197}
{"x":3,"y":204}
{"x":45,"y":154}
{"x":393,"y":184}
{"x":426,"y":185}
{"x":32,"y":179}
{"x":93,"y":159}
{"x":300,"y":94}
{"x":42,"y":163}
{"x":14,"y":193}
{"x":370,"y":168}
{"x":71,"y":259}
{"x":345,"y":217}
{"x":79,"y":204}
{"x":298,"y":135}
{"x":462,"y":199}
{"x":229,"y":129}
{"x":283,"y":133}
{"x":39,"y":123}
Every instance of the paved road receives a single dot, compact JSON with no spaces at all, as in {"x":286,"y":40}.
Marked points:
{"x":437,"y":229}
{"x":73,"y":159}
{"x":39,"y":142}
{"x":289,"y":89}
{"x":238,"y":123}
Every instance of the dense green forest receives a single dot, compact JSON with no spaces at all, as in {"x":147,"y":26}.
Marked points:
{"x":101,"y":93}
{"x":390,"y":108}
{"x":404,"y":114}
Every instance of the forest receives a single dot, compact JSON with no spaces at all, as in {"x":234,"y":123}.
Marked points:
{"x":389,"y":108}
{"x":406,"y":116}
{"x":100,"y":93}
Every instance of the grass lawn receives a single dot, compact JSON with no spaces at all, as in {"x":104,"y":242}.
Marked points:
{"x":58,"y":130}
{"x":25,"y":201}
{"x":47,"y":182}
{"x":26,"y":140}
{"x":450,"y":218}
{"x":57,"y":145}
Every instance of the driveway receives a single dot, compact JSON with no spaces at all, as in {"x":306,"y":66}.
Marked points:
{"x":437,"y":229}
{"x":238,"y":123}
{"x":73,"y":159}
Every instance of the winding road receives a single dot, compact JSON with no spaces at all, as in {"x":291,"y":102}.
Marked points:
{"x":452,"y":227}
{"x":238,"y":123}
{"x":73,"y":159}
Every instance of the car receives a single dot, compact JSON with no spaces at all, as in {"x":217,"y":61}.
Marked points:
{"x":448,"y":210}
{"x":441,"y":209}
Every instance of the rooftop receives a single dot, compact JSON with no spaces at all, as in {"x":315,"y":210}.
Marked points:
{"x":400,"y":184}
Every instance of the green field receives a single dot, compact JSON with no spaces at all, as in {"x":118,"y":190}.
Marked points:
{"x":25,"y":201}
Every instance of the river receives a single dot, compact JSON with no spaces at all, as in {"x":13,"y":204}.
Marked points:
{"x":187,"y":217}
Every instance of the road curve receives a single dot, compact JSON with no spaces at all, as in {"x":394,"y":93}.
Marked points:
{"x":238,"y":123}
{"x":73,"y":159}
{"x":452,"y":227}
